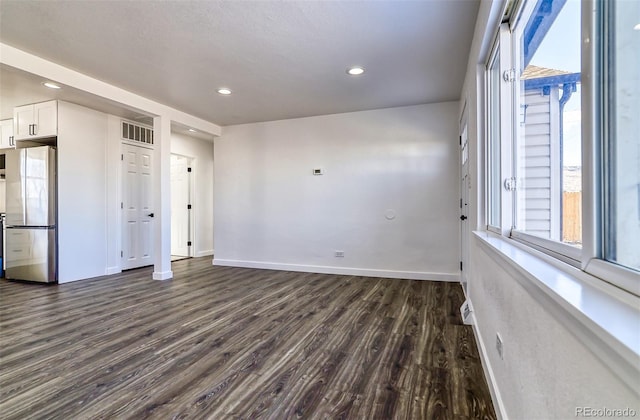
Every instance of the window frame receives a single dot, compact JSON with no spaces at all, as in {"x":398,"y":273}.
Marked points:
{"x":503,"y":49}
{"x":590,"y":258}
{"x":489,"y":201}
{"x":566,"y":252}
{"x":596,"y":24}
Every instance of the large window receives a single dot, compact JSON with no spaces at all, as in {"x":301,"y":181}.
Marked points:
{"x":566,"y":142}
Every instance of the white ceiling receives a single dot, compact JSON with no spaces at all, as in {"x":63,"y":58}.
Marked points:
{"x":282,"y":59}
{"x":19,"y":88}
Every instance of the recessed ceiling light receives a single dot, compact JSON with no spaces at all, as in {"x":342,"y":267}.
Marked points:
{"x":637,"y":27}
{"x":355,"y":71}
{"x":192,"y":130}
{"x":51,"y":85}
{"x":224,"y":91}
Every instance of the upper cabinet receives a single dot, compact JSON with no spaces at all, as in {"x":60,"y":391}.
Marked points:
{"x":35,"y":121}
{"x":6,"y":135}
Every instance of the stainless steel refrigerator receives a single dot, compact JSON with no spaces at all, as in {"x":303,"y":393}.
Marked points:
{"x":31,"y":236}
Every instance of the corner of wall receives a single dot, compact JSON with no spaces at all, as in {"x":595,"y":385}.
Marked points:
{"x":205,"y":253}
{"x":112,"y":270}
{"x":488,"y":371}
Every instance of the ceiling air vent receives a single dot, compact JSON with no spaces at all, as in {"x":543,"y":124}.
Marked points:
{"x":138,"y":133}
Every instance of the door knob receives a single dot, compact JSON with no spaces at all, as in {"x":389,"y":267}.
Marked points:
{"x":463,"y":217}
{"x":150,"y":214}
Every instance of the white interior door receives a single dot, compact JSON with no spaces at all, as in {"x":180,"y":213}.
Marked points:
{"x":464,"y":201}
{"x":137,"y":204}
{"x":180,"y":206}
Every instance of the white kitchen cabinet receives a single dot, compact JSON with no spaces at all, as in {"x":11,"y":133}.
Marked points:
{"x":35,"y":121}
{"x":6,"y":135}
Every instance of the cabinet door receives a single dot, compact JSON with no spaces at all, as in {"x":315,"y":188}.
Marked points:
{"x":6,"y":134}
{"x":46,"y":119}
{"x":22,"y":119}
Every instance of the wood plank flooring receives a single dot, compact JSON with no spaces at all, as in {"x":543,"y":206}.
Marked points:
{"x":222,"y":342}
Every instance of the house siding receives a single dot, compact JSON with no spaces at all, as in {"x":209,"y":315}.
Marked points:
{"x":539,"y":162}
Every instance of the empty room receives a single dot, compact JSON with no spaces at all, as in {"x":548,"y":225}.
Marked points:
{"x":354,"y":209}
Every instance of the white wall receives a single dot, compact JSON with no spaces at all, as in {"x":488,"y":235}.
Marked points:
{"x":82,"y":202}
{"x":272,"y":212}
{"x":113,"y":188}
{"x":202,"y":176}
{"x":546,"y":371}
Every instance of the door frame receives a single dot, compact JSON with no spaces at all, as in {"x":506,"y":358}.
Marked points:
{"x":465,"y":186}
{"x":191,"y":161}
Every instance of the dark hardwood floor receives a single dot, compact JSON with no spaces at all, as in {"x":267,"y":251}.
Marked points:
{"x":221,"y":342}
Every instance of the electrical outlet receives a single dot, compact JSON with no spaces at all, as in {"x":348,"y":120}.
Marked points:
{"x":499,"y":346}
{"x":339,"y":254}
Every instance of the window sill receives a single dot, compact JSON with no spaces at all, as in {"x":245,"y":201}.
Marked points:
{"x":604,"y":317}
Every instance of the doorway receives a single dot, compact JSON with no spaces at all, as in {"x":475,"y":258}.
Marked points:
{"x":137,"y":205}
{"x":181,"y":207}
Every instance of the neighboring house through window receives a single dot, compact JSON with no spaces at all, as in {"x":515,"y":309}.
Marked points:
{"x":549,"y":189}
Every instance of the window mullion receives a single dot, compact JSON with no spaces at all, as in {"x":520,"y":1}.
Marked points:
{"x":506,"y":130}
{"x":591,"y":130}
{"x":493,"y":163}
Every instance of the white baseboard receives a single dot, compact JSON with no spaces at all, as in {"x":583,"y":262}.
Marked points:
{"x":349,"y":271}
{"x":204,"y":253}
{"x":162,"y":275}
{"x":498,"y":404}
{"x":61,"y":281}
{"x":112,"y":270}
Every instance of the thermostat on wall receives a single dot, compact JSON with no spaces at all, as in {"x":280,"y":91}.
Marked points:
{"x":318,"y":171}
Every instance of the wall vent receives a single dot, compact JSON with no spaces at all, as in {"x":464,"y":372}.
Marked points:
{"x":466,"y":310}
{"x":137,"y":133}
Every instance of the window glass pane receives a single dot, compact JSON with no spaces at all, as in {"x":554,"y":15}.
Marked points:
{"x":493,"y":163}
{"x":464,"y":140}
{"x":622,"y":151}
{"x":548,"y":142}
